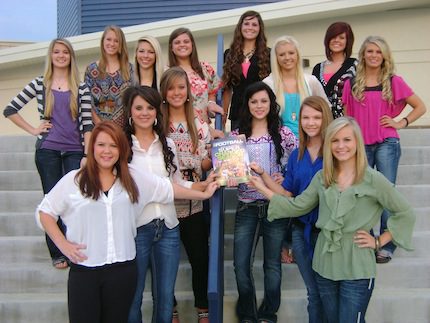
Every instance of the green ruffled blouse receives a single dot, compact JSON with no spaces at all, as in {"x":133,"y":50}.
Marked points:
{"x":341,"y":214}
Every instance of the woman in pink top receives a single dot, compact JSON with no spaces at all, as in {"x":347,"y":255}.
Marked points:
{"x":374,"y":98}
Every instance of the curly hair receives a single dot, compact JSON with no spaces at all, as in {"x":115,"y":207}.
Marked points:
{"x":151,"y":96}
{"x":387,"y":69}
{"x":194,"y":57}
{"x":274,"y":122}
{"x":232,"y":65}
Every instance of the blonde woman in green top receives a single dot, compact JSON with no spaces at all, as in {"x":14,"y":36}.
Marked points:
{"x":351,"y":197}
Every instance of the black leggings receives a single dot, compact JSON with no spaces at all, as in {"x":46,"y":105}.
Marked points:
{"x":101,"y":294}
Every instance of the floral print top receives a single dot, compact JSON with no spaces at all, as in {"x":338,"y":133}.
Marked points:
{"x":201,"y":89}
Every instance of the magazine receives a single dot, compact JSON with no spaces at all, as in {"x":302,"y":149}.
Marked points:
{"x":230,"y":160}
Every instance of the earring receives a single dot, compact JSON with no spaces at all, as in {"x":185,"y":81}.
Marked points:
{"x":188,"y":100}
{"x":155,"y":122}
{"x":164,"y":101}
{"x":130,"y":122}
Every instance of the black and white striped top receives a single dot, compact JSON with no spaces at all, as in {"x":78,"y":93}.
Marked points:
{"x":36,"y":89}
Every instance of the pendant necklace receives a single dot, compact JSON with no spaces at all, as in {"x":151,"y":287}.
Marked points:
{"x":249,"y":55}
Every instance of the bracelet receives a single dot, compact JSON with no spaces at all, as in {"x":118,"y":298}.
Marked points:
{"x":210,"y":101}
{"x":377,"y":244}
{"x":84,"y":155}
{"x":407,"y":121}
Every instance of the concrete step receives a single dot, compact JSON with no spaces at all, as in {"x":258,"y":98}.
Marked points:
{"x":414,"y":155}
{"x":388,"y":305}
{"x":20,"y":180}
{"x":19,"y":224}
{"x":415,"y":137}
{"x":17,"y":143}
{"x":42,"y":277}
{"x":19,"y":201}
{"x":17,"y":161}
{"x":417,"y":195}
{"x":413,"y":174}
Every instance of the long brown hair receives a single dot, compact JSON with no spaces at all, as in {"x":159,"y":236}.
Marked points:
{"x":194,"y":57}
{"x":88,"y":177}
{"x":122,"y":54}
{"x":319,"y":104}
{"x":232,"y":64}
{"x":168,"y":78}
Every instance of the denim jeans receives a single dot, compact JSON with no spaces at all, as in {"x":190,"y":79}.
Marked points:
{"x":156,"y":246}
{"x":52,"y":165}
{"x":251,"y":222}
{"x":304,"y":262}
{"x":385,"y":158}
{"x":345,"y":301}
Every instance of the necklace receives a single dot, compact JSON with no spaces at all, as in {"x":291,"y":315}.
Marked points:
{"x":249,"y":55}
{"x":59,"y":84}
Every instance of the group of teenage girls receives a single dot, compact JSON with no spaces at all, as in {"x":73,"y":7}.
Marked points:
{"x":132,"y":185}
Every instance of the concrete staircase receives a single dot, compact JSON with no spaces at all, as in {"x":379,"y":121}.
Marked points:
{"x":32,"y":290}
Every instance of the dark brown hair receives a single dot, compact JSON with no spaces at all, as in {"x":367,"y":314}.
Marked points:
{"x":151,"y":96}
{"x":335,"y":29}
{"x":232,"y":64}
{"x":88,"y":177}
{"x":194,"y":57}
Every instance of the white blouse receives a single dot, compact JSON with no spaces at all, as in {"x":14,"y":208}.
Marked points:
{"x":107,"y":226}
{"x":152,"y":161}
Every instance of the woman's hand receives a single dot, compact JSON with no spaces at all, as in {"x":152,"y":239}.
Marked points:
{"x":364,"y":239}
{"x":42,"y":128}
{"x":256,"y":168}
{"x":386,"y":121}
{"x":73,"y":251}
{"x":215,"y":108}
{"x":210,"y":189}
{"x":257,"y":183}
{"x":278,"y":178}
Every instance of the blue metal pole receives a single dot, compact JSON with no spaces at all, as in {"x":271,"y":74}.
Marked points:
{"x":216,"y":245}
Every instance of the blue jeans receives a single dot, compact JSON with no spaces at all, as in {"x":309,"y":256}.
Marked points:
{"x":158,"y":246}
{"x":251,"y":222}
{"x":52,"y":165}
{"x":304,"y":262}
{"x":385,"y":158}
{"x":345,"y":301}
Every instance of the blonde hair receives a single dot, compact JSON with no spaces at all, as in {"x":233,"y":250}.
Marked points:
{"x":169,"y":77}
{"x":72,"y":79}
{"x":277,"y":72}
{"x":159,"y":65}
{"x":319,"y":104}
{"x":122,"y":53}
{"x":330,"y":163}
{"x":387,"y":69}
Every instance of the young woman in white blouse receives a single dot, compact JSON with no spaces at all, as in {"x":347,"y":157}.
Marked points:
{"x":99,"y":205}
{"x":157,"y":240}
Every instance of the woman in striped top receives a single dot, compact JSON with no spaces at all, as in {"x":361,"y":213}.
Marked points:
{"x":64,"y":105}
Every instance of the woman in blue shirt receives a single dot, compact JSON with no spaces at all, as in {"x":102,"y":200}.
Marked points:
{"x":303,"y":163}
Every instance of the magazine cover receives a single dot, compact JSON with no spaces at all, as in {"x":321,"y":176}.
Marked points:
{"x":230,"y":159}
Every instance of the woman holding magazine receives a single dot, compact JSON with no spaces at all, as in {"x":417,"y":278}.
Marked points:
{"x":269,"y":144}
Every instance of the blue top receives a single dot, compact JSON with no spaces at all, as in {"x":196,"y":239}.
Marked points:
{"x":290,"y":115}
{"x":297,"y":177}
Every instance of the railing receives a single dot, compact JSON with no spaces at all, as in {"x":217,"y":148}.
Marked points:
{"x":216,"y":242}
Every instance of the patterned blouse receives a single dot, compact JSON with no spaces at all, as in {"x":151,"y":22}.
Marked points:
{"x":201,"y":89}
{"x":288,"y":143}
{"x":190,"y":164}
{"x":106,"y":93}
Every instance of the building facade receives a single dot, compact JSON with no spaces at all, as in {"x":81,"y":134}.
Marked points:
{"x":87,"y":16}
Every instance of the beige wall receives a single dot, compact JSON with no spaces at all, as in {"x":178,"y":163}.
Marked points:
{"x":406,"y":31}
